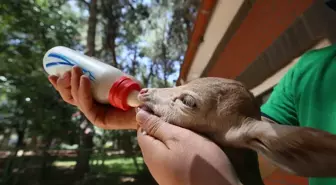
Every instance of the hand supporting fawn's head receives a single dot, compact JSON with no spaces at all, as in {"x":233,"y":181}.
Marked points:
{"x":204,"y":105}
{"x":226,"y":112}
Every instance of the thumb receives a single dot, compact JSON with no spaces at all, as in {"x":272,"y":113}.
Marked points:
{"x":155,"y":126}
{"x":149,"y":144}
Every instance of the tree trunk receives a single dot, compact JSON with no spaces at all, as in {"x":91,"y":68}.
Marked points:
{"x":46,"y":158}
{"x":4,"y":141}
{"x":110,"y":40}
{"x":147,"y":79}
{"x":103,"y":152}
{"x":85,"y":149}
{"x":33,"y":143}
{"x":92,"y":24}
{"x":165,"y":64}
{"x":20,"y":141}
{"x":86,"y":143}
{"x":127,"y":146}
{"x":134,"y":62}
{"x":111,"y":28}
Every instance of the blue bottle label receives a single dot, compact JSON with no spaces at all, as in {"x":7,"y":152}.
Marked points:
{"x":63,"y":60}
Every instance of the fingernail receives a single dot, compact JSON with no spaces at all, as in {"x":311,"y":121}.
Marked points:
{"x":143,"y":132}
{"x":65,"y":75}
{"x":81,"y":80}
{"x":50,"y":78}
{"x":76,"y":68}
{"x":73,"y":69}
{"x":141,"y":116}
{"x":137,"y":110}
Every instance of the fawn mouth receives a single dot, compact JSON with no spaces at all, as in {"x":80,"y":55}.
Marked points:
{"x":148,"y":108}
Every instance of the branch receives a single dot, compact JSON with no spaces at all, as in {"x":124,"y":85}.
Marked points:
{"x":85,"y":2}
{"x":110,"y":40}
{"x":146,"y":78}
{"x":127,"y":2}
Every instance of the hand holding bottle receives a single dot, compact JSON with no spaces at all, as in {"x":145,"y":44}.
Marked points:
{"x":74,"y":88}
{"x":103,"y":93}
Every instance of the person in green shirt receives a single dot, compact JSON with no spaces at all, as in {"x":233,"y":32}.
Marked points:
{"x":306,"y":96}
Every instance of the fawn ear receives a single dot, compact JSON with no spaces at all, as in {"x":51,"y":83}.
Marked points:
{"x":299,"y":150}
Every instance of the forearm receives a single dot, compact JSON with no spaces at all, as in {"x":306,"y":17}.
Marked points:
{"x":263,"y":118}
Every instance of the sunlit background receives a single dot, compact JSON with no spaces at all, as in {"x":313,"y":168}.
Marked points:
{"x":43,"y":140}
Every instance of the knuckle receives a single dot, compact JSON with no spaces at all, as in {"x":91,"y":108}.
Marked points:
{"x":62,"y":82}
{"x":61,"y":87}
{"x":98,"y":120}
{"x":152,"y":125}
{"x":83,"y":95}
{"x":74,"y":94}
{"x":59,"y":82}
{"x":73,"y":89}
{"x":67,"y":100}
{"x":66,"y":95}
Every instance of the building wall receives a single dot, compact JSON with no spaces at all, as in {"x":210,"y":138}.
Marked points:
{"x":315,"y":27}
{"x":224,"y":13}
{"x":274,"y":77}
{"x":265,"y":22}
{"x":259,"y":42}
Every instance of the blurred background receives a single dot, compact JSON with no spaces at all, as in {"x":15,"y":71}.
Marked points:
{"x":43,"y":140}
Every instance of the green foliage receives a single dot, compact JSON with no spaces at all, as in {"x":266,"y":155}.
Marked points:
{"x":30,"y":29}
{"x":146,"y":39}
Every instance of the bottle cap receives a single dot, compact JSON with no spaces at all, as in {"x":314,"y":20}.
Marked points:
{"x":120,"y":90}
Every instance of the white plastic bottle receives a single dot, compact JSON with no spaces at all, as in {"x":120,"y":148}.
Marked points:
{"x":108,"y":84}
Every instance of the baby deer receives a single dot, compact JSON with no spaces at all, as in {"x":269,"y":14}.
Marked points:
{"x":226,"y":112}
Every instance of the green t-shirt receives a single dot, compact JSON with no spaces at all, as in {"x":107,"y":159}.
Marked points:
{"x":306,"y":96}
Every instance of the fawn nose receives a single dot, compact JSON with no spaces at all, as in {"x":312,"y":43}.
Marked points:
{"x":143,"y":91}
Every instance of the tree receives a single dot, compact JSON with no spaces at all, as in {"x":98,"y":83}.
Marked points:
{"x":122,"y":27}
{"x":86,"y":130}
{"x":29,"y":30}
{"x":146,"y":39}
{"x":32,"y":106}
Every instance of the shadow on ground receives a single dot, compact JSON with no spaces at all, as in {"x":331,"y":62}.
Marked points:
{"x":29,"y":171}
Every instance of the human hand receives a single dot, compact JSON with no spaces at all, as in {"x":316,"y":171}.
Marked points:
{"x":175,"y":155}
{"x":74,"y":88}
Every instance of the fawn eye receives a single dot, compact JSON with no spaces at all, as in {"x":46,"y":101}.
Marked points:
{"x":188,"y":100}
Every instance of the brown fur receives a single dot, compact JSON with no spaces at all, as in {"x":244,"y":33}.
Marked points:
{"x":226,"y":112}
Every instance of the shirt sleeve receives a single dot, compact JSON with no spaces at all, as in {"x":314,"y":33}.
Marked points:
{"x":280,"y":107}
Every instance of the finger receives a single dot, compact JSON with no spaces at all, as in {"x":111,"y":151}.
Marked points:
{"x":53,"y":80}
{"x":93,"y":112}
{"x":85,"y":98}
{"x":149,"y":145}
{"x":156,"y":127}
{"x":76,"y":72}
{"x":102,"y":115}
{"x":86,"y":102}
{"x":64,"y":87}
